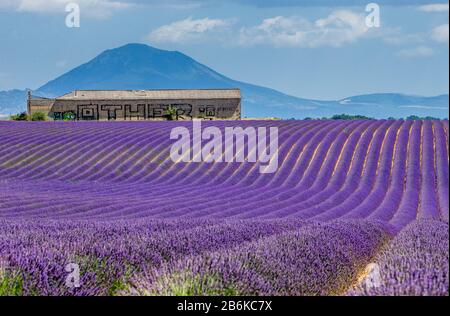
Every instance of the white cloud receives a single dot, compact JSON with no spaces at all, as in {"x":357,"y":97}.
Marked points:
{"x":440,"y":33}
{"x":182,"y":6}
{"x":397,"y":36}
{"x":420,"y":51}
{"x":188,"y":30}
{"x":89,"y":8}
{"x":8,"y":4}
{"x":340,"y":27}
{"x":427,"y":107}
{"x":277,"y":30}
{"x":434,"y":7}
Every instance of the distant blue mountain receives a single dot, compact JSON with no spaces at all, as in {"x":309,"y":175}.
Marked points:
{"x":12,"y":101}
{"x":138,"y":66}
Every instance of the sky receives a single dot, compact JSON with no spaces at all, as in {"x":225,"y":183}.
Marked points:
{"x":319,"y":49}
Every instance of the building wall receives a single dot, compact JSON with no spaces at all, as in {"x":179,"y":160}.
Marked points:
{"x":214,"y":109}
{"x":40,"y":105}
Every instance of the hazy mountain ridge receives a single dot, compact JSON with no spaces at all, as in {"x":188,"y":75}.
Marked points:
{"x":138,"y":66}
{"x":12,"y":101}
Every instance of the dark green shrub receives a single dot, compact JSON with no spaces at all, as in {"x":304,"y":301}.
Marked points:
{"x":20,"y":117}
{"x":415,"y":118}
{"x":350,"y":117}
{"x":39,"y":116}
{"x":171,"y":113}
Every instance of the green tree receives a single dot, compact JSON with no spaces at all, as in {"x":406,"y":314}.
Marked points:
{"x":20,"y":117}
{"x":350,"y":117}
{"x":171,"y":113}
{"x":38,"y":116}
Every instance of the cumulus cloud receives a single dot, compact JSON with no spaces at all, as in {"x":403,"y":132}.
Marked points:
{"x":434,"y":7}
{"x":440,"y":33}
{"x":189,"y":4}
{"x":298,"y":3}
{"x":188,"y":30}
{"x":90,"y":8}
{"x":6,"y":4}
{"x":329,"y":3}
{"x":396,"y":36}
{"x":426,"y":107}
{"x":338,"y":28}
{"x":420,"y":51}
{"x":277,"y":30}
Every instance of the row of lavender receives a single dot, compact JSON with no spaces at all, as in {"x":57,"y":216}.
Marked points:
{"x":393,"y":171}
{"x":233,"y":258}
{"x":36,"y":253}
{"x":107,"y":198}
{"x":415,"y":262}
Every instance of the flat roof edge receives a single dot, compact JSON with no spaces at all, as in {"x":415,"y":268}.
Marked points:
{"x":156,"y":94}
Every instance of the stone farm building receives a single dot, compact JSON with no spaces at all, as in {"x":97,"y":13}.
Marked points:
{"x":103,"y":105}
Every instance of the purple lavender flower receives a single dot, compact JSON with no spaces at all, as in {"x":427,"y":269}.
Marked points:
{"x":414,"y":263}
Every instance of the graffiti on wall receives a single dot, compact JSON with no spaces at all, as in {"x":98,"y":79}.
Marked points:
{"x":183,"y":111}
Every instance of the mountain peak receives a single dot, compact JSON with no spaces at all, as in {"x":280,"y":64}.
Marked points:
{"x":137,"y":66}
{"x":136,"y":48}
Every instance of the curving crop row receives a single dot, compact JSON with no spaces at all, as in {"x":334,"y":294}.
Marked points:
{"x":393,"y":171}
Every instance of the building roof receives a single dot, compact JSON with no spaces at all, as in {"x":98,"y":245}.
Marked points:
{"x":152,"y":94}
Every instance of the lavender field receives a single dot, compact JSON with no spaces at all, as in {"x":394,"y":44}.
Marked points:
{"x":107,"y":197}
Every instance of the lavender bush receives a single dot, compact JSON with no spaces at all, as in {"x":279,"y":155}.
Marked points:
{"x":110,"y":253}
{"x":316,"y":259}
{"x":414,"y":263}
{"x":107,"y":197}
